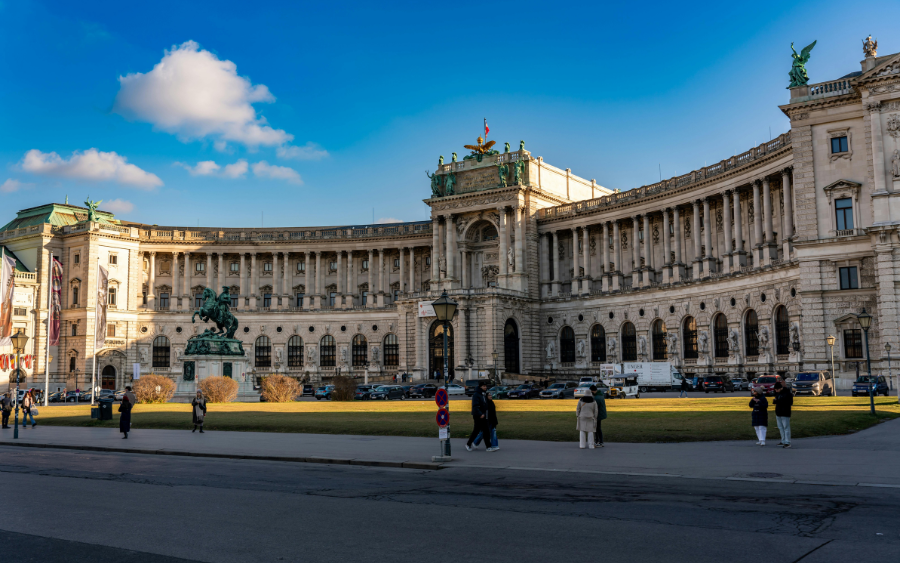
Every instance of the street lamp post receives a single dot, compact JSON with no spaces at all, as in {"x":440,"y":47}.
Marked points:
{"x":444,"y":309}
{"x":496,"y":373}
{"x":887,"y":348}
{"x":18,"y":341}
{"x":865,"y":321}
{"x":831,"y":340}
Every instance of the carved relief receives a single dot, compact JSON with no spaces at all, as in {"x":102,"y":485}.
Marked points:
{"x":489,"y":274}
{"x":893,"y":125}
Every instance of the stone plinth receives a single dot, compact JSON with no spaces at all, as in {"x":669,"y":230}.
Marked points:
{"x":196,"y":368}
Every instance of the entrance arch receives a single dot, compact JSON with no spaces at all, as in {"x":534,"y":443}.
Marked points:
{"x":511,"y":347}
{"x":108,"y":378}
{"x":436,"y":350}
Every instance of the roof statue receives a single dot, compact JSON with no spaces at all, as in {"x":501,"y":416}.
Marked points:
{"x":92,"y":208}
{"x":480,"y":148}
{"x":798,"y":74}
{"x":870,"y":47}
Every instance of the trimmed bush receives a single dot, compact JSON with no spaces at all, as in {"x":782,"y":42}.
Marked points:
{"x":145,"y":389}
{"x":279,"y":389}
{"x":344,"y":388}
{"x":218,"y":389}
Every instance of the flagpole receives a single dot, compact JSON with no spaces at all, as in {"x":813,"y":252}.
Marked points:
{"x":49,"y":321}
{"x":94,"y":360}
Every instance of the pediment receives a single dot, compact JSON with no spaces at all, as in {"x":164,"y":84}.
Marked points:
{"x":845,"y":318}
{"x":890,"y":68}
{"x":842,"y":187}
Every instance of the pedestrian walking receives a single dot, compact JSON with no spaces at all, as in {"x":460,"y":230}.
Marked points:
{"x":125,"y":418}
{"x":684,"y":387}
{"x":199,"y":404}
{"x":492,"y":424}
{"x":130,"y":394}
{"x":759,"y":416}
{"x":600,"y":399}
{"x":783,"y":400}
{"x":586,"y":415}
{"x":6,"y":406}
{"x":479,"y":414}
{"x":27,"y":406}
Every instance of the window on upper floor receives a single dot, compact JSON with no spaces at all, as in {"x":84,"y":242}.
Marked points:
{"x":332,"y":297}
{"x":839,"y":145}
{"x":365,"y":298}
{"x":111,"y":295}
{"x":301,"y":266}
{"x":234,"y":300}
{"x":267,"y":267}
{"x":113,"y":259}
{"x":365,"y":264}
{"x":849,"y":277}
{"x":235,"y":267}
{"x":843,"y":209}
{"x":163,"y":300}
{"x":853,"y":343}
{"x":428,"y":260}
{"x":200,"y":267}
{"x":396,"y":262}
{"x":198,"y":300}
{"x":74,"y":296}
{"x":111,"y":330}
{"x":300,"y":299}
{"x":77,"y":258}
{"x":74,"y":330}
{"x":332,"y":266}
{"x":267,"y":300}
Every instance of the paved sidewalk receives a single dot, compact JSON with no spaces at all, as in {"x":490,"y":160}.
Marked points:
{"x":870,"y":457}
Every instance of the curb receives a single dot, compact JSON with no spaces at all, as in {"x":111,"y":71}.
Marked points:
{"x":290,"y":459}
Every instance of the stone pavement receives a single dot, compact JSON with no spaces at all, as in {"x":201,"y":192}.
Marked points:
{"x":867,"y":458}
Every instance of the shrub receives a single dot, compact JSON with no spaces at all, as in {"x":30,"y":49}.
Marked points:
{"x":344,"y":388}
{"x":219,"y":389}
{"x":145,"y":389}
{"x":279,"y":388}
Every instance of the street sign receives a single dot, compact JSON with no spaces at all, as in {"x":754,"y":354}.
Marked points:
{"x":443,"y":418}
{"x":441,"y":398}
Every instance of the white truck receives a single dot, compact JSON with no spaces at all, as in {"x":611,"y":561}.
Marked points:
{"x":653,"y":376}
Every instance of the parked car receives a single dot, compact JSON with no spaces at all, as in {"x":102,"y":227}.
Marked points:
{"x":559,"y":391}
{"x":422,"y":391}
{"x":106,"y":394}
{"x":386,"y":392}
{"x":586,"y":380}
{"x":119,"y":394}
{"x":308,"y":391}
{"x":454,"y":389}
{"x":406,"y":390}
{"x":364,"y":392}
{"x":324,"y":392}
{"x":583,"y":389}
{"x":525,"y":391}
{"x":766,"y":383}
{"x":814,"y":383}
{"x":73,"y":396}
{"x":718,"y":384}
{"x":471,"y":385}
{"x":863,"y":384}
{"x":740,"y":384}
{"x":499,"y":392}
{"x":56,"y":397}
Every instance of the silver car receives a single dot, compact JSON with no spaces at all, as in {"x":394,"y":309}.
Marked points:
{"x":740,"y":384}
{"x":814,"y":383}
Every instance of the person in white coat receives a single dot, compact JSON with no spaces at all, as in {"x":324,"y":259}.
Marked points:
{"x":586,"y":413}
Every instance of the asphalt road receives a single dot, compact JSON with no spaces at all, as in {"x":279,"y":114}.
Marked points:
{"x":80,"y":506}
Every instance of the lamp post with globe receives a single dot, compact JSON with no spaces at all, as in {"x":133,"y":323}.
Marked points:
{"x":831,"y":340}
{"x":444,"y":309}
{"x":19,"y":340}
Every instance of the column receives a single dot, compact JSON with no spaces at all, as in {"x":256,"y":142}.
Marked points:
{"x":586,"y":260}
{"x":503,"y":260}
{"x":787,"y":220}
{"x":307,"y":289}
{"x":220,"y":279}
{"x":254,"y":288}
{"x":402,"y":270}
{"x":739,"y":258}
{"x":519,"y":212}
{"x":464,"y":270}
{"x":209,"y":269}
{"x":442,"y":241}
{"x":635,"y":252}
{"x":151,"y":289}
{"x":275,"y":291}
{"x":648,"y":251}
{"x":340,"y":280}
{"x":351,"y":281}
{"x":757,"y":226}
{"x":412,"y":268}
{"x":554,"y":283}
{"x":726,"y":217}
{"x":176,"y":291}
{"x":696,"y":235}
{"x":435,"y":251}
{"x":604,"y":270}
{"x":319,"y":287}
{"x":381,"y":287}
{"x":770,"y":250}
{"x":452,"y":252}
{"x":545,"y":265}
{"x":243,"y":284}
{"x":678,"y":266}
{"x":576,"y":275}
{"x":709,"y":262}
{"x":370,"y":302}
{"x":286,"y":289}
{"x":617,"y":253}
{"x":667,"y":249}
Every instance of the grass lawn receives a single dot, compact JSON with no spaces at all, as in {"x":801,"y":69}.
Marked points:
{"x":630,"y":420}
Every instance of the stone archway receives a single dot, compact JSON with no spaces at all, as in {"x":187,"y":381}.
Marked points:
{"x":111,"y":364}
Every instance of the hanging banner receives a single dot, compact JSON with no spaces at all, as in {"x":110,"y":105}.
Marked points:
{"x":100,"y":325}
{"x":426,"y":309}
{"x":55,"y":290}
{"x":7,"y":287}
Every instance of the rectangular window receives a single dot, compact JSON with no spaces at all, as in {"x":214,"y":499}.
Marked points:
{"x":198,"y":300}
{"x":74,"y":296}
{"x":74,"y":330}
{"x":365,"y":298}
{"x":332,"y":266}
{"x":111,"y":330}
{"x":299,"y":300}
{"x":200,"y":267}
{"x":853,"y":343}
{"x":365,"y":264}
{"x":111,"y":296}
{"x":301,"y":266}
{"x":396,"y":295}
{"x":77,"y":259}
{"x":144,"y":297}
{"x":267,"y":267}
{"x":843,"y":208}
{"x":849,"y":279}
{"x":428,"y":260}
{"x":113,"y":259}
{"x":235,"y":267}
{"x":234,"y":300}
{"x":267,"y":300}
{"x":396,"y":262}
{"x":838,"y":144}
{"x":331,"y":298}
{"x":20,"y":311}
{"x":163,"y":300}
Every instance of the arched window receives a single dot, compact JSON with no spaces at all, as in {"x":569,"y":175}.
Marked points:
{"x":391,"y":350}
{"x":263,"y":352}
{"x":161,"y":352}
{"x":629,"y":343}
{"x":567,"y":345}
{"x":360,"y":351}
{"x":660,"y":344}
{"x":782,"y":331}
{"x":751,"y":328}
{"x":511,"y":347}
{"x":598,"y":344}
{"x":689,"y":337}
{"x":326,"y":351}
{"x":295,"y":352}
{"x":720,"y":335}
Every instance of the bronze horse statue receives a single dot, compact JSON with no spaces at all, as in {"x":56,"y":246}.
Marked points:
{"x":216,"y":309}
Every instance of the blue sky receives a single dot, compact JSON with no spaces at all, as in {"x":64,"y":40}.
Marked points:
{"x":222,"y":113}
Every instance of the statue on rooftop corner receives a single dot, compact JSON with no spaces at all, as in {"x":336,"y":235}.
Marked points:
{"x":503,"y":170}
{"x":798,"y":74}
{"x":92,"y":208}
{"x":449,"y":181}
{"x":454,"y":157}
{"x":519,"y":172}
{"x":481,"y":149}
{"x":505,"y":147}
{"x":441,"y":161}
{"x":521,"y":145}
{"x":870,"y":47}
{"x":435,"y":184}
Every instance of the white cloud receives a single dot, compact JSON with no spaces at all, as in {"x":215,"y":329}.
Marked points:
{"x":13,"y":185}
{"x":117,"y":206}
{"x":90,"y":165}
{"x":263,"y":169}
{"x":210,"y":168}
{"x":387,"y":220}
{"x":236,"y":170}
{"x":193,"y":94}
{"x":310,"y":151}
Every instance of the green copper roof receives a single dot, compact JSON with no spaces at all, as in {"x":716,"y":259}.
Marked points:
{"x":20,"y":267}
{"x":58,"y":215}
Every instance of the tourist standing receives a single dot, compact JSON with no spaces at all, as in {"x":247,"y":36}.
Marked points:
{"x":125,"y":418}
{"x":199,"y":404}
{"x":759,"y":416}
{"x":479,"y":414}
{"x":27,"y":405}
{"x":684,"y":387}
{"x":586,"y":415}
{"x":6,"y":406}
{"x":600,"y":399}
{"x":492,"y":424}
{"x":783,"y":400}
{"x":131,"y":398}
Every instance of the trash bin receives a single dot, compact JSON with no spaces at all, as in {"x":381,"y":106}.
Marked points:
{"x":106,"y":409}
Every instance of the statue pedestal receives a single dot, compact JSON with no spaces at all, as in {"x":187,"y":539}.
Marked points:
{"x":197,"y":367}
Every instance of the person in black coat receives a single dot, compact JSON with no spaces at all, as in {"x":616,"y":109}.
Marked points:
{"x":125,"y":418}
{"x":783,"y":400}
{"x":492,"y":424}
{"x":479,"y":415}
{"x":760,"y":416}
{"x":684,"y":387}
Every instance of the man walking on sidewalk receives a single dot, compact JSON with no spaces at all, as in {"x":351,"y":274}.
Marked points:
{"x":783,"y":400}
{"x":479,"y":415}
{"x":6,"y":406}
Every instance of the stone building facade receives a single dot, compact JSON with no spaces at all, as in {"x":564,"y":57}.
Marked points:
{"x":744,"y":266}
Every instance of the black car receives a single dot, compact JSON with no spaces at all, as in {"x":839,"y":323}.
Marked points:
{"x":525,"y":391}
{"x":863,"y":384}
{"x":406,"y":390}
{"x":422,"y":391}
{"x":308,"y":391}
{"x":718,"y":384}
{"x":387,"y":392}
{"x":364,"y":392}
{"x":56,"y":397}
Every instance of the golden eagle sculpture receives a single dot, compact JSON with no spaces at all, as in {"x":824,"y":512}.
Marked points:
{"x":480,"y":148}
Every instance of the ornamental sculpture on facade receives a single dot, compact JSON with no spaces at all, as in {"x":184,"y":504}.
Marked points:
{"x":798,"y":68}
{"x":870,"y":47}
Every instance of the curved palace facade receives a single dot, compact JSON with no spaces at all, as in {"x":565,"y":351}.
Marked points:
{"x":745,"y":266}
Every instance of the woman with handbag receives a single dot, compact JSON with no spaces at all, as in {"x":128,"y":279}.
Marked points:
{"x":28,"y":409}
{"x":125,"y":418}
{"x":199,"y":404}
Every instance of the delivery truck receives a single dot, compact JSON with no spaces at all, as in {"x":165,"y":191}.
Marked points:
{"x":653,"y":376}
